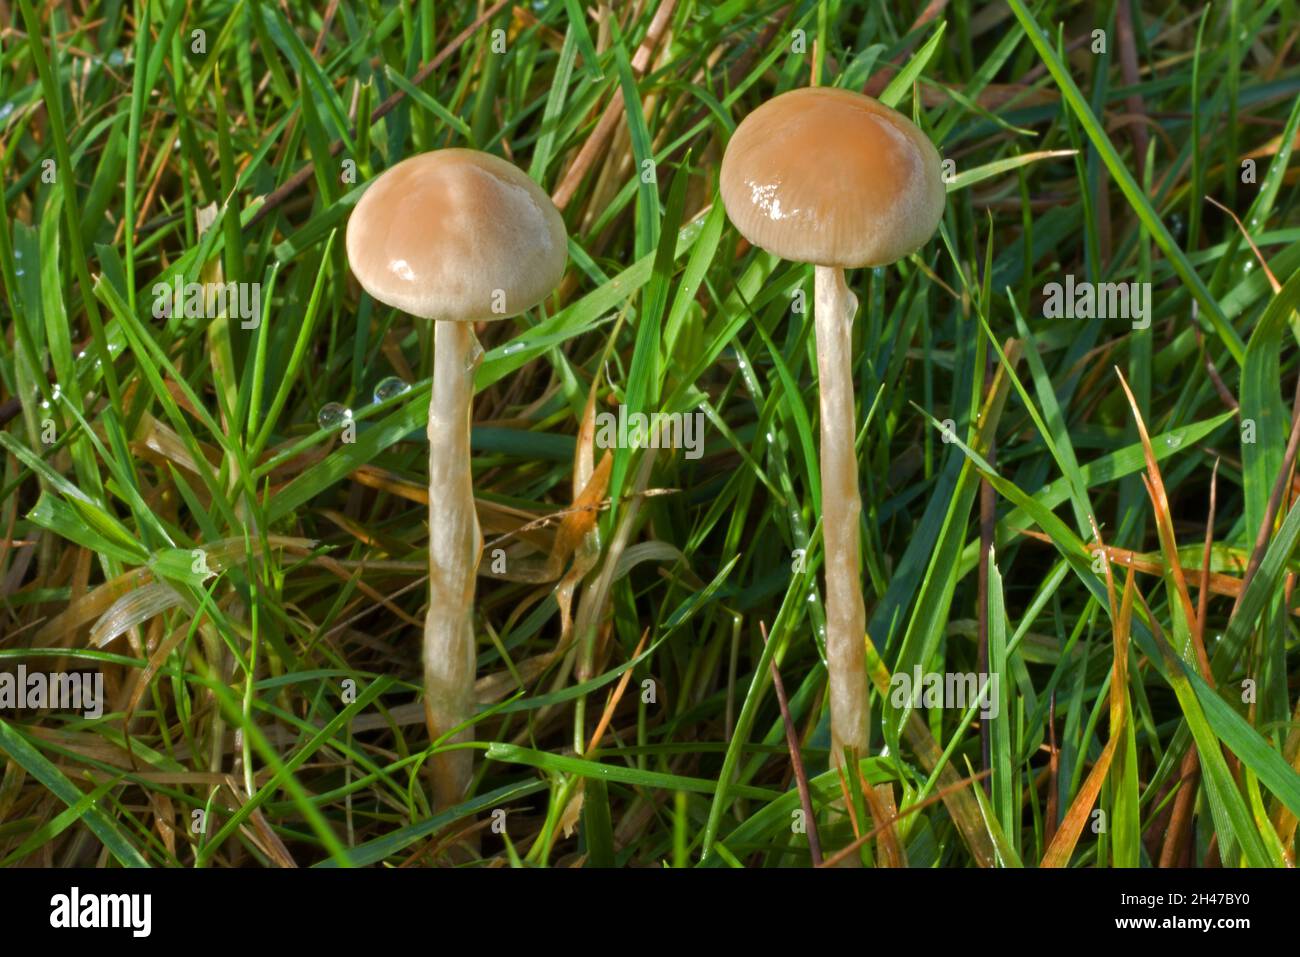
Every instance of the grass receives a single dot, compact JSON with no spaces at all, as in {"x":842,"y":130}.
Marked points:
{"x":225,"y":517}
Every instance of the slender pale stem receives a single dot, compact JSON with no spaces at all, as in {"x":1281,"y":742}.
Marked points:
{"x":454,"y":547}
{"x":846,"y":621}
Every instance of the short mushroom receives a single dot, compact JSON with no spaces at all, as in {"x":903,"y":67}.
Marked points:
{"x":456,"y":236}
{"x":839,"y":180}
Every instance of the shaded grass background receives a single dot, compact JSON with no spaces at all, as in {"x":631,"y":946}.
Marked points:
{"x":264,"y":693}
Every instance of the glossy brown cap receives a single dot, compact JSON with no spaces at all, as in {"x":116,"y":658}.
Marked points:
{"x":834,"y":178}
{"x":458,"y":235}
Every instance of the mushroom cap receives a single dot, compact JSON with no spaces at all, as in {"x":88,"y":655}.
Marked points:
{"x":832,"y":177}
{"x":457,"y":235}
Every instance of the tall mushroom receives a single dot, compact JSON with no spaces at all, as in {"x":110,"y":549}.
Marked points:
{"x":456,"y":236}
{"x":835,"y":179}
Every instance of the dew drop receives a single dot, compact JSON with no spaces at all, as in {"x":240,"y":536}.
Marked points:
{"x":332,"y":415}
{"x":1173,"y":441}
{"x":390,"y":387}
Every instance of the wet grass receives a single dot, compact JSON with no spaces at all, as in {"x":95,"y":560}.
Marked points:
{"x":225,"y":517}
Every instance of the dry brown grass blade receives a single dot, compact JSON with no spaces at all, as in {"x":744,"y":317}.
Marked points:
{"x":1160,"y":504}
{"x":577,"y":534}
{"x":261,"y":834}
{"x":89,"y":607}
{"x":355,"y":529}
{"x":156,"y":659}
{"x":1271,"y":147}
{"x":612,"y":705}
{"x":1219,"y":583}
{"x":847,"y":798}
{"x":1110,"y":576}
{"x":493,"y":517}
{"x":1176,"y":833}
{"x":836,"y":859}
{"x":1067,"y":836}
{"x":1203,"y":597}
{"x":557,"y":544}
{"x":580,"y":520}
{"x":164,"y":817}
{"x":1062,"y":846}
{"x":334,"y":568}
{"x":599,"y":138}
{"x":891,"y":853}
{"x":1272,"y":280}
{"x":796,"y":762}
{"x":1119,"y":677}
{"x":153,"y":439}
{"x":92,"y":605}
{"x":587,"y":550}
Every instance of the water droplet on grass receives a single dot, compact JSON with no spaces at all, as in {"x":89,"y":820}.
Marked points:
{"x":332,"y":415}
{"x":390,"y":387}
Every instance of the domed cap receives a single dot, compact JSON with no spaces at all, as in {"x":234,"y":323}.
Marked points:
{"x":831,"y":177}
{"x":458,"y":235}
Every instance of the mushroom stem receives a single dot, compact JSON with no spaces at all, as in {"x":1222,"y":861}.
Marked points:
{"x":846,"y":622}
{"x":454,"y":547}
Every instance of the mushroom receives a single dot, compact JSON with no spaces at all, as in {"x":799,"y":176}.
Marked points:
{"x":456,"y":236}
{"x":835,"y":179}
